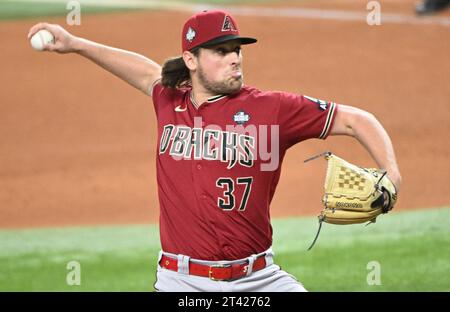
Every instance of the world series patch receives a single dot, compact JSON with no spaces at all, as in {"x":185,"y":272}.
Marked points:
{"x":241,"y":117}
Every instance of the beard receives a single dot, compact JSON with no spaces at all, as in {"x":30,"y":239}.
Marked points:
{"x":227,"y":86}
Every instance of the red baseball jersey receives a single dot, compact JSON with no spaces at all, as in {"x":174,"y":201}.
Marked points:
{"x":218,"y":166}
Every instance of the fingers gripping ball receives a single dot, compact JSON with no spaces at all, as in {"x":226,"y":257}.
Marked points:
{"x":41,"y":38}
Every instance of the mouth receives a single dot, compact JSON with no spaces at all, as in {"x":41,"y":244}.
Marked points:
{"x":236,"y":74}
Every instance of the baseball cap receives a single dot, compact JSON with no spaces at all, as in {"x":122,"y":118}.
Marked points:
{"x":209,"y":28}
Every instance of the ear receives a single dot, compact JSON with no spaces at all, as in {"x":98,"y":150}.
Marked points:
{"x":190,"y":60}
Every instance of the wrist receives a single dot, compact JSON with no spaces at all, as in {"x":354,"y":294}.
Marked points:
{"x":78,"y":45}
{"x":395,"y":178}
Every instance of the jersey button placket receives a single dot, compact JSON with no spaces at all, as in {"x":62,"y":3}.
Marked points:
{"x":199,"y":166}
{"x":199,"y":187}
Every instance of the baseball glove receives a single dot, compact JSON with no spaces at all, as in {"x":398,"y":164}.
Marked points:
{"x":354,"y":194}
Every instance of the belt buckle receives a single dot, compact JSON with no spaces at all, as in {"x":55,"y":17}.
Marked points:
{"x":217,"y":266}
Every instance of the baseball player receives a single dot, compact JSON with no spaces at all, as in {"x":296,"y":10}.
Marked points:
{"x":220,"y":149}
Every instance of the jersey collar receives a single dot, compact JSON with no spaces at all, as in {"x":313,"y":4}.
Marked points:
{"x":211,"y":99}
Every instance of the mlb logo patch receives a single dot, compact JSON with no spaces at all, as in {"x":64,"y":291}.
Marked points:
{"x":241,"y":117}
{"x":322,"y":104}
{"x":190,"y":34}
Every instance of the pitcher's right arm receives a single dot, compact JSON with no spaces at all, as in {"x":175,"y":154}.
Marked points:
{"x":137,"y":70}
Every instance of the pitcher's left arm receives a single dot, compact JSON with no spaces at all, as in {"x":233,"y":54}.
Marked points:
{"x":365,"y":127}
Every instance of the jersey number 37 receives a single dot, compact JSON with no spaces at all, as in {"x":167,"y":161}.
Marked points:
{"x":228,"y":199}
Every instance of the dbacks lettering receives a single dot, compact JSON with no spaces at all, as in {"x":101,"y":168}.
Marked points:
{"x":211,"y":144}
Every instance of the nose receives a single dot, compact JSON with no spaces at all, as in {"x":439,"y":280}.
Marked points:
{"x":235,"y":58}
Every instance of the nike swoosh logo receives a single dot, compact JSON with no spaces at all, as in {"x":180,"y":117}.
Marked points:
{"x":179,"y":109}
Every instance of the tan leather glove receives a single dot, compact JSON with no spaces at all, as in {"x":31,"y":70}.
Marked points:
{"x":354,"y":194}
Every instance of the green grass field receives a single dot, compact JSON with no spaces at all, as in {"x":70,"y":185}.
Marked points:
{"x":10,"y":9}
{"x":412,"y":248}
{"x":13,"y":10}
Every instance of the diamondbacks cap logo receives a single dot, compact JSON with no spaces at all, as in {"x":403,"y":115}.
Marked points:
{"x":190,"y":34}
{"x":322,"y":104}
{"x":228,"y":24}
{"x":241,"y":117}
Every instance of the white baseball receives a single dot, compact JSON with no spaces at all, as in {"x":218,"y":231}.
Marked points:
{"x":41,"y":38}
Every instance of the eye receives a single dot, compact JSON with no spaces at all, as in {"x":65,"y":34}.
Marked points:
{"x":225,"y":51}
{"x":221,"y":51}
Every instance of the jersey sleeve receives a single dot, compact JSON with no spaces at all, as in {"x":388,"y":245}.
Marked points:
{"x":156,"y":92}
{"x":303,"y":117}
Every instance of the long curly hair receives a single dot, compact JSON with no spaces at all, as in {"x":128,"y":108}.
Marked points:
{"x":174,"y":72}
